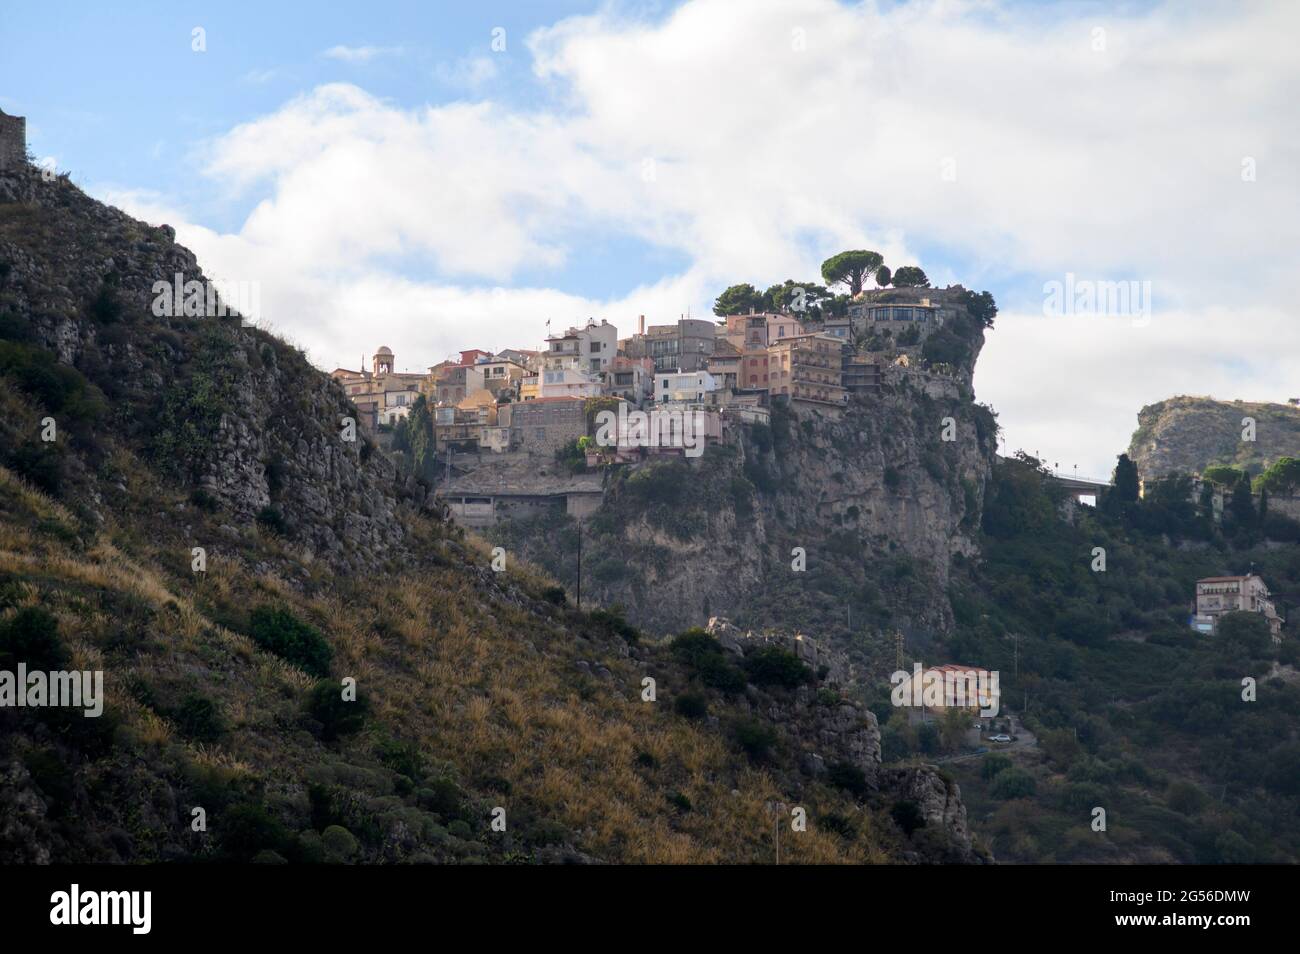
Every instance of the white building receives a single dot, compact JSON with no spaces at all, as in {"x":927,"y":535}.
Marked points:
{"x":590,"y":349}
{"x":686,"y":386}
{"x":568,"y":382}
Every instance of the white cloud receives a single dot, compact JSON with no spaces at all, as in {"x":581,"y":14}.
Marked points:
{"x":786,"y":131}
{"x":360,"y":54}
{"x":470,"y":72}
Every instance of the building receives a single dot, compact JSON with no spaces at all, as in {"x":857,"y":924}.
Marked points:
{"x":744,"y":331}
{"x":546,"y":424}
{"x":1216,"y":595}
{"x":684,"y":346}
{"x":725,"y":365}
{"x":474,"y":356}
{"x":13,"y":141}
{"x":520,"y":356}
{"x":631,"y":379}
{"x":589,"y":349}
{"x":752,"y":375}
{"x":684,"y":386}
{"x":453,"y":384}
{"x":861,"y":373}
{"x":381,"y":395}
{"x":808,"y":368}
{"x":502,"y":375}
{"x":782,"y":326}
{"x":569,"y":382}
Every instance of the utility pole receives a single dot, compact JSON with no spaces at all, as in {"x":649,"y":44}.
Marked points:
{"x":1016,"y":641}
{"x":579,"y":564}
{"x":898,"y":649}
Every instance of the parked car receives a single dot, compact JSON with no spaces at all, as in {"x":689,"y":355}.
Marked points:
{"x":1000,"y":738}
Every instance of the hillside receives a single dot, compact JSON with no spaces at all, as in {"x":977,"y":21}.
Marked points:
{"x":1184,"y":435}
{"x":225,"y":671}
{"x":1133,"y":712}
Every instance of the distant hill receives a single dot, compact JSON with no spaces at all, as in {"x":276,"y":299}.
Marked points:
{"x":1184,"y":435}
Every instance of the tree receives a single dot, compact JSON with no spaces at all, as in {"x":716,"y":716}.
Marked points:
{"x":1242,"y":506}
{"x":909,"y":276}
{"x":883,"y":277}
{"x":851,"y":268}
{"x":802,"y":298}
{"x":980,"y":306}
{"x":1126,"y":480}
{"x":1222,"y":475}
{"x":1283,"y":477}
{"x":737,"y":300}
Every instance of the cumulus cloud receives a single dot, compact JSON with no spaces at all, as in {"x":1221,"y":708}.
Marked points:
{"x":1011,"y":146}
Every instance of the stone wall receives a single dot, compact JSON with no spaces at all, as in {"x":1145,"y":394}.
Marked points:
{"x":13,"y":140}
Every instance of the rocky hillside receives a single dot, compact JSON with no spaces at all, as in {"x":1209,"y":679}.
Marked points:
{"x":303,"y":662}
{"x":1184,"y":435}
{"x":828,"y":524}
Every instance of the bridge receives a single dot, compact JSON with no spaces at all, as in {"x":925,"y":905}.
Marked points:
{"x":1080,"y":487}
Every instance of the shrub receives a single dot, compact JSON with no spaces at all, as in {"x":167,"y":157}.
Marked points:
{"x":907,"y":815}
{"x":337,"y":716}
{"x":248,"y":829}
{"x":847,"y":776}
{"x":32,"y":637}
{"x":774,"y":666}
{"x":199,"y":719}
{"x":273,"y":520}
{"x":679,"y":802}
{"x":755,"y":738}
{"x":460,"y":828}
{"x":280,"y":632}
{"x":340,"y":845}
{"x":1013,"y":783}
{"x":692,"y":705}
{"x":994,"y":764}
{"x":704,"y":656}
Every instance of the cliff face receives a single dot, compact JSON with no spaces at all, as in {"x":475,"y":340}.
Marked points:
{"x":1184,"y":435}
{"x":227,"y":408}
{"x":824,"y":523}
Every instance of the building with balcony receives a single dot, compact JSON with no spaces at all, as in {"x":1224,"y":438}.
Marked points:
{"x":807,"y":368}
{"x":1216,"y":595}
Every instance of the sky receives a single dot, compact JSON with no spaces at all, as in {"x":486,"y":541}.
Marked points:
{"x":436,"y":177}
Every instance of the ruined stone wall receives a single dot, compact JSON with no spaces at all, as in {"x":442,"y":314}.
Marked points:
{"x":13,"y":141}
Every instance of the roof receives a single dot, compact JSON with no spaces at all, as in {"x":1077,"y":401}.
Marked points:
{"x":1225,"y":579}
{"x":384,"y":349}
{"x":543,"y":400}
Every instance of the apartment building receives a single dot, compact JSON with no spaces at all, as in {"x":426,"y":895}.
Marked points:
{"x":1216,"y":595}
{"x":809,"y":368}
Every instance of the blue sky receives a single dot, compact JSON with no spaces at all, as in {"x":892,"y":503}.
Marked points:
{"x":388,"y":178}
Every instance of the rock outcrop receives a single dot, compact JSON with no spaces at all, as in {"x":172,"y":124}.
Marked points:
{"x":1184,"y":435}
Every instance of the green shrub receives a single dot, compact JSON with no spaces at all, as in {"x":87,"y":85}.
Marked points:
{"x":755,"y":738}
{"x":31,"y":636}
{"x":247,"y":829}
{"x":278,"y":631}
{"x":339,"y":844}
{"x":461,"y":829}
{"x":1013,"y":783}
{"x":679,"y":802}
{"x":993,"y":764}
{"x":270,"y":518}
{"x":337,"y":716}
{"x":198,"y":718}
{"x":705,"y":658}
{"x":847,"y":776}
{"x":774,"y":666}
{"x":691,"y":705}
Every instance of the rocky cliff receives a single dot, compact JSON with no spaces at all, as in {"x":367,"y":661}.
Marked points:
{"x":826,"y":522}
{"x":1184,"y":435}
